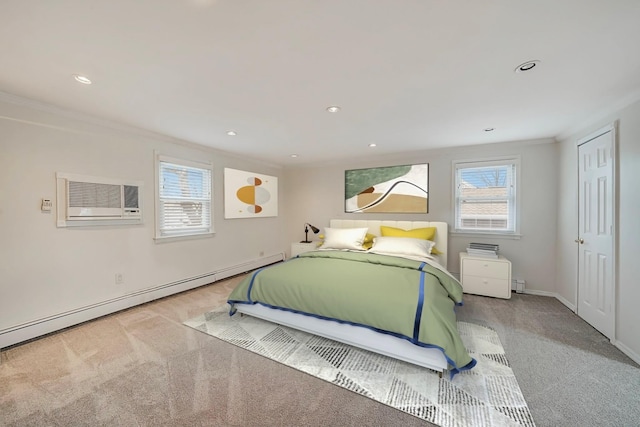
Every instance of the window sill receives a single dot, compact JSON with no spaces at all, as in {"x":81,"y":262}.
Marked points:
{"x":167,"y":239}
{"x":495,"y":235}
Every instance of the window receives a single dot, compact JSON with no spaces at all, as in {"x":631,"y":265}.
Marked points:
{"x":485,"y":196}
{"x":183,"y":198}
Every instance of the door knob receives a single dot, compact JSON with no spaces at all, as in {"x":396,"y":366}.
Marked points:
{"x":581,"y":241}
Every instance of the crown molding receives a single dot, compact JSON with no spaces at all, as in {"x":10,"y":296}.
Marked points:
{"x":109,"y":125}
{"x":603,"y":115}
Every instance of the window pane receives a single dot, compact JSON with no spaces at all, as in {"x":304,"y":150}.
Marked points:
{"x":184,"y":200}
{"x":182,"y":182}
{"x":485,"y":197}
{"x":489,"y":177}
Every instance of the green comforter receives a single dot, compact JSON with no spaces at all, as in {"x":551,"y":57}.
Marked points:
{"x":406,"y":298}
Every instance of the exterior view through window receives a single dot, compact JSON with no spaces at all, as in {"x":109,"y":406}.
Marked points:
{"x":486,"y":196}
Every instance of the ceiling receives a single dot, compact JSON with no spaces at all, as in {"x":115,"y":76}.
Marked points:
{"x":408,"y":75}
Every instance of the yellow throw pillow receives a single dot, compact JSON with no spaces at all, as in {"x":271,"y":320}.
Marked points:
{"x":368,"y":241}
{"x":427,"y":233}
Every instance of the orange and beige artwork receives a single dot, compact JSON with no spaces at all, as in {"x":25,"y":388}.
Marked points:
{"x":249,"y":194}
{"x":391,"y":189}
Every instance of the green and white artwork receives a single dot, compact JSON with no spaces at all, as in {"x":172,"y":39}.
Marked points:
{"x":391,"y":189}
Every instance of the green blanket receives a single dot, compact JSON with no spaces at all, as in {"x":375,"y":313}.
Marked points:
{"x":405,"y":298}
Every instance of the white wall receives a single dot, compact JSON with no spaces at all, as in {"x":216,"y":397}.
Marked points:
{"x":316,"y":194}
{"x":47,"y":271}
{"x":628,"y":225}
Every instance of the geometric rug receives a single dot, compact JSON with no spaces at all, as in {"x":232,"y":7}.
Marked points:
{"x":487,"y":395}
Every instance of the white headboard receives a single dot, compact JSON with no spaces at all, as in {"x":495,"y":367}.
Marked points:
{"x":441,"y":238}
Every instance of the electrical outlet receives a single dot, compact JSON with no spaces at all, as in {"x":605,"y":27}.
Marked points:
{"x":119,"y":279}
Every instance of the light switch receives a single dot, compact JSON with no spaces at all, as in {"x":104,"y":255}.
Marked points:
{"x":46,"y":205}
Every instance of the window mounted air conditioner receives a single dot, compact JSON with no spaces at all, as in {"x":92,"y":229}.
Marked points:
{"x":98,"y":200}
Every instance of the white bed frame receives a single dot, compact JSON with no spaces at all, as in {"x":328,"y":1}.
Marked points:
{"x":358,"y":336}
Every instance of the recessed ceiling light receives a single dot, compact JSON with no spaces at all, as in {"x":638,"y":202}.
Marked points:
{"x":82,"y":79}
{"x":294,"y":156}
{"x":373,"y":144}
{"x":489,"y":129}
{"x":333,"y":109}
{"x":231,"y":133}
{"x":527,"y":66}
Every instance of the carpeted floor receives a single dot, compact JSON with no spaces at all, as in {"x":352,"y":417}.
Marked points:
{"x":143,"y":367}
{"x":488,"y":395}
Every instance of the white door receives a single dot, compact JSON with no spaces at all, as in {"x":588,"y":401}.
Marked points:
{"x":596,"y":232}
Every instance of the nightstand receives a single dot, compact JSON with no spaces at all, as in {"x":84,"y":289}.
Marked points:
{"x":485,"y":276}
{"x":298,"y":248}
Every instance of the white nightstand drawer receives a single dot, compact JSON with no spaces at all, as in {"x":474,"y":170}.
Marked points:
{"x":485,"y":268}
{"x":487,"y":286}
{"x":485,"y":276}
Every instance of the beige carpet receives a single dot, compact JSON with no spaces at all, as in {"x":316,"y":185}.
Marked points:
{"x":487,"y":395}
{"x":143,"y":367}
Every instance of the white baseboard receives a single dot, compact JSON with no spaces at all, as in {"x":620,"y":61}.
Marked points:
{"x":35,"y":328}
{"x":541,"y":293}
{"x":626,"y":350}
{"x":566,"y":302}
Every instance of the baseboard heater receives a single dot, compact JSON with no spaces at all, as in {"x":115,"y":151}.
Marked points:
{"x":36,"y":328}
{"x":517,"y":285}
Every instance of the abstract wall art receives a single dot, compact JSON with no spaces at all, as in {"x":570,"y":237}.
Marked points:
{"x":392,"y":189}
{"x":249,"y":195}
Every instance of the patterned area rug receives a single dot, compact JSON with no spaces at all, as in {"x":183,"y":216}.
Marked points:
{"x":487,"y":395}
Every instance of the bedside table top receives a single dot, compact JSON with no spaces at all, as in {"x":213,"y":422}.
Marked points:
{"x":484,"y":258}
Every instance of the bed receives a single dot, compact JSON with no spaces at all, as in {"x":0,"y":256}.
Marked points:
{"x":398,"y":306}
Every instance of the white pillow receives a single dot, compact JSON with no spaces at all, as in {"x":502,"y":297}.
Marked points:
{"x":344,"y":238}
{"x":402,"y":246}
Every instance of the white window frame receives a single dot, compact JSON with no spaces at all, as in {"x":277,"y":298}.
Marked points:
{"x":513,"y":198}
{"x":164,"y":235}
